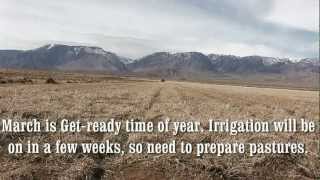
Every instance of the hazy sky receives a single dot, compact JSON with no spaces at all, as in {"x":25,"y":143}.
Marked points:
{"x":134,"y":28}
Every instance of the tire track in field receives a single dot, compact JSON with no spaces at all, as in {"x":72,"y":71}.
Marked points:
{"x":154,"y":99}
{"x":98,"y":170}
{"x":151,"y":96}
{"x":94,"y":170}
{"x":185,"y":100}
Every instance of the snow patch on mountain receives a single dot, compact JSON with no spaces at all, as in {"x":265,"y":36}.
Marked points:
{"x":94,"y":50}
{"x":125,"y":60}
{"x":50,"y":46}
{"x":76,"y":50}
{"x":272,"y":60}
{"x":313,"y":61}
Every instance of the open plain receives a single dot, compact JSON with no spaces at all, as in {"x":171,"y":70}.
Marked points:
{"x":97,"y":97}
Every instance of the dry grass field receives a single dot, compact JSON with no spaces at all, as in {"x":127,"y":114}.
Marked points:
{"x":97,"y":97}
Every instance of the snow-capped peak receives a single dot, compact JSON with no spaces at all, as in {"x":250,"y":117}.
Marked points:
{"x":50,"y":46}
{"x":89,"y":50}
{"x":272,"y":60}
{"x":95,"y":50}
{"x":77,"y":49}
{"x":47,"y":47}
{"x":313,"y":61}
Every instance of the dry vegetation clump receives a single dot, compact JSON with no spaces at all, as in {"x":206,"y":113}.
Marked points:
{"x":154,"y":101}
{"x":19,"y":80}
{"x":51,"y":81}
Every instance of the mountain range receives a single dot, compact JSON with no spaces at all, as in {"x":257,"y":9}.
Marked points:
{"x":164,"y":64}
{"x":63,"y":57}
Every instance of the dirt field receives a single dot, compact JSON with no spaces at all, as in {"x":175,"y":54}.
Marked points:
{"x":103,"y":97}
